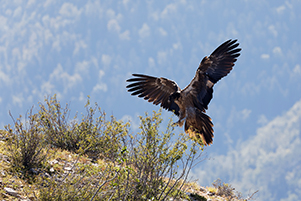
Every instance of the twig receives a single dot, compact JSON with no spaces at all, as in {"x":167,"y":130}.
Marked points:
{"x":250,"y":196}
{"x":106,"y":181}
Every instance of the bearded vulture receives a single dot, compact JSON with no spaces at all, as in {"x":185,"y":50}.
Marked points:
{"x":190,"y":103}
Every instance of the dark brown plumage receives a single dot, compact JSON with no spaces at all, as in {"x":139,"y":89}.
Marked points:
{"x":190,"y":103}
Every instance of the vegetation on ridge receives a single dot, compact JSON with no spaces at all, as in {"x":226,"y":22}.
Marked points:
{"x":55,"y":157}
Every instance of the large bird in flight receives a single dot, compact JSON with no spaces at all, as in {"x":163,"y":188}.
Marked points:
{"x":190,"y":103}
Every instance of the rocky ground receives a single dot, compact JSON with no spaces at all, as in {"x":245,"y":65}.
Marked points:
{"x":13,"y":187}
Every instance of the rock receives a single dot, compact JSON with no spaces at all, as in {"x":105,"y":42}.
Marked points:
{"x":4,"y":158}
{"x":68,"y":168}
{"x":202,"y":189}
{"x":54,"y":161}
{"x":34,"y":170}
{"x":210,"y":193}
{"x":3,"y":173}
{"x":11,"y":192}
{"x":47,"y":175}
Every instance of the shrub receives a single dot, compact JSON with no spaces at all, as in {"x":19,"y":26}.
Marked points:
{"x":152,"y":165}
{"x":149,"y":165}
{"x":155,"y":157}
{"x":26,"y":144}
{"x":226,"y":190}
{"x":92,"y":135}
{"x":56,"y":128}
{"x":81,"y":183}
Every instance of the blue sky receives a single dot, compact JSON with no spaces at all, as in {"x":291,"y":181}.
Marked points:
{"x":80,"y":48}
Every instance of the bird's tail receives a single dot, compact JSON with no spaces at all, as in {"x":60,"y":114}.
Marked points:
{"x":199,"y":127}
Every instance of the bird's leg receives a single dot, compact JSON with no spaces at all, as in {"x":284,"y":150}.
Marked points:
{"x":181,"y":120}
{"x":179,"y":123}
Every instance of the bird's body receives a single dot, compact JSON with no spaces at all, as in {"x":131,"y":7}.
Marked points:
{"x":190,"y":103}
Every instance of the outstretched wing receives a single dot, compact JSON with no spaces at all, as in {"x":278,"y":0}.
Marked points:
{"x":221,"y":60}
{"x":211,"y":70}
{"x":155,"y":90}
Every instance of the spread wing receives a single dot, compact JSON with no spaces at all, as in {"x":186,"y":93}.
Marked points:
{"x":221,"y":60}
{"x":155,"y":90}
{"x":211,"y":70}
